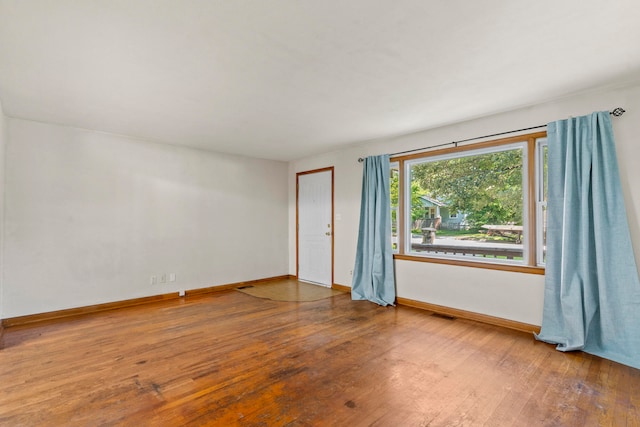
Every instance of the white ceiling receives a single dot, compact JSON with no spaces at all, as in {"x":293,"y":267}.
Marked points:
{"x":283,"y":79}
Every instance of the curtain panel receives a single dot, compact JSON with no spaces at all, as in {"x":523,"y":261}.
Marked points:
{"x":373,"y":274}
{"x":592,"y":290}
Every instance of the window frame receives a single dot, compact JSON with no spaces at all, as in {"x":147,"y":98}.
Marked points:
{"x":530,"y":205}
{"x":396,"y":166}
{"x":541,"y":201}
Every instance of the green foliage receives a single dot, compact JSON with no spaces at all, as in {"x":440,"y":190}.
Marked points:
{"x":393,"y":186}
{"x":486,"y":187}
{"x":417,"y":210}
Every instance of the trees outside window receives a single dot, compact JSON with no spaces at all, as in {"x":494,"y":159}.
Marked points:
{"x":491,"y":195}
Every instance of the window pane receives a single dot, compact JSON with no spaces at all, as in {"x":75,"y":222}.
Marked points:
{"x":394,"y":181}
{"x":543,"y":241}
{"x":469,"y":206}
{"x":541,"y":208}
{"x":545,"y":171}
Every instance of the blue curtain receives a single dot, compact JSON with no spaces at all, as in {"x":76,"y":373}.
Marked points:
{"x":592,"y":291}
{"x":373,"y":275}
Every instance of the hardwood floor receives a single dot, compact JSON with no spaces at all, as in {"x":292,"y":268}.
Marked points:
{"x":233,"y":359}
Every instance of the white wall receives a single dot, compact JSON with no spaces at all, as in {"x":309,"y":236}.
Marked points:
{"x":3,"y":144}
{"x":508,"y":295}
{"x":91,"y":216}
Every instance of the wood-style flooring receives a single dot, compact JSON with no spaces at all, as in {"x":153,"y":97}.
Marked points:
{"x":232,"y":359}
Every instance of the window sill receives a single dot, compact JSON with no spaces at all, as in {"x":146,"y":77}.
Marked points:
{"x":475,"y":264}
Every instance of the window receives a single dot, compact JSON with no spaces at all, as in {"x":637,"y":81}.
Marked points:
{"x":495,"y":195}
{"x":541,"y":201}
{"x":393,"y":183}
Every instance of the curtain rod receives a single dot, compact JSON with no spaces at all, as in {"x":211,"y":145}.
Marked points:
{"x":617,"y":112}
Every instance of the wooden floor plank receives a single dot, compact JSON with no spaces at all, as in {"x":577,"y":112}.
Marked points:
{"x":233,"y":359}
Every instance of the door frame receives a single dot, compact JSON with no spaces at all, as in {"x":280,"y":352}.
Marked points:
{"x":298,"y":174}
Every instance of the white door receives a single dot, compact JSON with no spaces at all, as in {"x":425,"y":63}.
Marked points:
{"x":315,"y":227}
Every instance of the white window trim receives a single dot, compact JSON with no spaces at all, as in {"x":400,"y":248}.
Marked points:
{"x":541,"y":204}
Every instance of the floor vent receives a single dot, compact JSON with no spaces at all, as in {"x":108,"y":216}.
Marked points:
{"x":245,"y":287}
{"x":443,"y":316}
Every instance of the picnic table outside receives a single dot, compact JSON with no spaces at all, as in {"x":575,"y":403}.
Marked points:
{"x":512,"y":231}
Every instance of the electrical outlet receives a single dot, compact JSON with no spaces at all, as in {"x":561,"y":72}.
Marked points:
{"x":172,"y":277}
{"x":350,"y":272}
{"x":154,"y":280}
{"x":163,"y":278}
